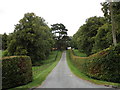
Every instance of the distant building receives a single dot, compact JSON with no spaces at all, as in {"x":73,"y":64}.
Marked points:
{"x":68,"y":47}
{"x":54,"y":49}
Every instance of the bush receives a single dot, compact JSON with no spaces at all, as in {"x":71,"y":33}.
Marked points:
{"x":5,"y":53}
{"x":104,"y":65}
{"x":79,"y":62}
{"x":16,"y":70}
{"x":107,"y":67}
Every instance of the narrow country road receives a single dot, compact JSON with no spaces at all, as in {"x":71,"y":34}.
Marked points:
{"x":62,"y":77}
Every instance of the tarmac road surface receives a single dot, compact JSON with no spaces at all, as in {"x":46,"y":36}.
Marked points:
{"x":62,"y":77}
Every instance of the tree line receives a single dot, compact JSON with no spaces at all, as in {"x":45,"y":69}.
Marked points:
{"x":99,"y":33}
{"x":34,"y":38}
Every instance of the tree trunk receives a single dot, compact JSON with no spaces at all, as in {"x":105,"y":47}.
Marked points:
{"x":113,"y":25}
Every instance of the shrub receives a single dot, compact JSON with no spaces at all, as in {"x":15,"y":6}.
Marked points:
{"x":79,"y":62}
{"x":107,"y":67}
{"x":16,"y":70}
{"x":104,"y":65}
{"x":5,"y":53}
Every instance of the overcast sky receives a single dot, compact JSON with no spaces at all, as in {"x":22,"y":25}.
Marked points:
{"x":72,"y":13}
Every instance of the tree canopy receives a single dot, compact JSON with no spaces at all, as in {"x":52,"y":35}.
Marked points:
{"x":60,"y":36}
{"x":111,"y":12}
{"x":84,"y":38}
{"x":4,"y":41}
{"x":99,"y":33}
{"x":31,"y":37}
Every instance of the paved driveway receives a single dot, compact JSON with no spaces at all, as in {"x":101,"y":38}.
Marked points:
{"x":62,"y":77}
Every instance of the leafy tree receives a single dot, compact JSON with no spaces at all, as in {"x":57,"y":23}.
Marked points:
{"x":31,"y":37}
{"x":103,"y":38}
{"x":112,"y":14}
{"x":75,"y":40}
{"x":84,"y":38}
{"x":4,"y":41}
{"x":60,"y":35}
{"x":69,"y":41}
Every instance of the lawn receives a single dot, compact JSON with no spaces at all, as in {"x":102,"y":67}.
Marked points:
{"x":77,"y":53}
{"x":41,"y":72}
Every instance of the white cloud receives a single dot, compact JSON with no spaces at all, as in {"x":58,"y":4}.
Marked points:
{"x":72,"y":13}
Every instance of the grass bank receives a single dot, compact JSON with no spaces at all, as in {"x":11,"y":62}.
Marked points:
{"x":41,"y":72}
{"x":81,"y":75}
{"x":77,"y":53}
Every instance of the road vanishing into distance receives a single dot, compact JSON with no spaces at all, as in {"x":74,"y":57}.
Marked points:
{"x":62,"y":77}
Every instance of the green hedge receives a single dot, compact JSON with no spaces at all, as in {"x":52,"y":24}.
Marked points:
{"x":104,"y":65}
{"x":16,"y":70}
{"x":79,"y":62}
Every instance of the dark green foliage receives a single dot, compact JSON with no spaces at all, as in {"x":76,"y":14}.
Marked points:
{"x":5,"y":53}
{"x":107,"y":12}
{"x":99,"y":33}
{"x":106,"y":67}
{"x":112,"y":14}
{"x":95,"y":36}
{"x":74,"y":41}
{"x":103,"y":38}
{"x":31,"y":37}
{"x":60,"y":36}
{"x":84,"y":38}
{"x":4,"y":41}
{"x":16,"y":70}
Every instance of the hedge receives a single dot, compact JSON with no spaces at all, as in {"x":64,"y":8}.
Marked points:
{"x":104,"y":65}
{"x":16,"y":70}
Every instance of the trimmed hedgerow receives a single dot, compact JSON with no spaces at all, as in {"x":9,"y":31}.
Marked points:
{"x":104,"y":65}
{"x":16,"y":70}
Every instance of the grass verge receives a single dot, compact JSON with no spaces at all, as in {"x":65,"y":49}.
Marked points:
{"x":77,"y":53}
{"x":40,"y":73}
{"x":84,"y":77}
